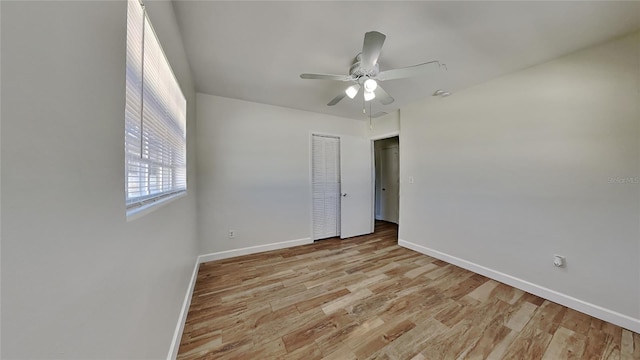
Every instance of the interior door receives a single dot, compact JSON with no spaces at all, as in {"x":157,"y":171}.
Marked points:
{"x":325,"y":186}
{"x":390,"y":183}
{"x":356,"y":203}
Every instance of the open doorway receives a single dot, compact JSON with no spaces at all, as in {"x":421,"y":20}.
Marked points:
{"x":387,"y":179}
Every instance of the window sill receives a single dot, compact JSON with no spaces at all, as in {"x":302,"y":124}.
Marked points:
{"x":138,"y":212}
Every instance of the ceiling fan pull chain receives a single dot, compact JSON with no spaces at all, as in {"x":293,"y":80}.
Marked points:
{"x":370,"y":123}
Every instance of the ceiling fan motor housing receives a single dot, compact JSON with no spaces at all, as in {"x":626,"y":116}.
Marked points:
{"x":357,"y":71}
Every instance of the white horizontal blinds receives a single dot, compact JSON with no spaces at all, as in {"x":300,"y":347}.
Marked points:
{"x":163,"y":122}
{"x":133,"y":107}
{"x":325,"y":186}
{"x":332,"y":185}
{"x":156,"y":152}
{"x":317,"y":187}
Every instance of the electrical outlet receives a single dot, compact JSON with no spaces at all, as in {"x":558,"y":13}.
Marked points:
{"x":231,"y":234}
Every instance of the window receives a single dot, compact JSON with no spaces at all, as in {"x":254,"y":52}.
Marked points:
{"x":155,"y":118}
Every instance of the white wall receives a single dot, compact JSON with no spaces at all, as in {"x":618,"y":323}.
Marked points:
{"x":78,"y":280}
{"x":253,"y":171}
{"x":513,"y":171}
{"x":385,"y":126}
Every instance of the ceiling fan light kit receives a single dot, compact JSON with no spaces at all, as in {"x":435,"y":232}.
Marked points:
{"x":352,"y":91}
{"x":370,"y":85}
{"x":369,"y":95}
{"x":365,"y":72}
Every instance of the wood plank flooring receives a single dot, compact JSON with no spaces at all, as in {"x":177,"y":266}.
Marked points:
{"x":368,"y":298}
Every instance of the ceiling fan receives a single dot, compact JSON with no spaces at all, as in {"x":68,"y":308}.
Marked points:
{"x":364,"y":73}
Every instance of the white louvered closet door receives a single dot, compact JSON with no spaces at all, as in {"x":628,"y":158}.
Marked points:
{"x":325,"y":186}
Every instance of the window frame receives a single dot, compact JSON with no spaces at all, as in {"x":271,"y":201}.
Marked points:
{"x":156,"y":130}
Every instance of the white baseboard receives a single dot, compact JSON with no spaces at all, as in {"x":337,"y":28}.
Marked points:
{"x":177,"y":334}
{"x":596,"y":311}
{"x":252,"y":250}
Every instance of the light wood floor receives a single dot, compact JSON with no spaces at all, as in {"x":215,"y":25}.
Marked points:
{"x":368,"y":298}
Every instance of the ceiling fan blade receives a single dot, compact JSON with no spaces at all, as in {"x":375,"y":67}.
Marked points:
{"x":409,"y":71}
{"x":371,"y":48}
{"x":326,"y":77}
{"x":378,"y":114}
{"x":337,"y":99}
{"x":382,"y":95}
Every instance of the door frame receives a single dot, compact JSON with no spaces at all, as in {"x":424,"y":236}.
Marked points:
{"x":387,"y":186}
{"x":372,"y":206}
{"x":373,"y":185}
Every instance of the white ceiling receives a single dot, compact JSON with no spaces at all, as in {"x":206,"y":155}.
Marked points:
{"x":256,"y":50}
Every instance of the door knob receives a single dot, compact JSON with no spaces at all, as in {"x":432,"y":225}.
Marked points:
{"x":344,"y":195}
{"x":383,"y":189}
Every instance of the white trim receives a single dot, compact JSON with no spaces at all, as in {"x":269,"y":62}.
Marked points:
{"x":377,"y":216}
{"x":140,"y":211}
{"x":372,"y":228}
{"x":252,"y":250}
{"x":310,"y":185}
{"x":386,"y":136}
{"x":596,"y":311}
{"x":177,"y":334}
